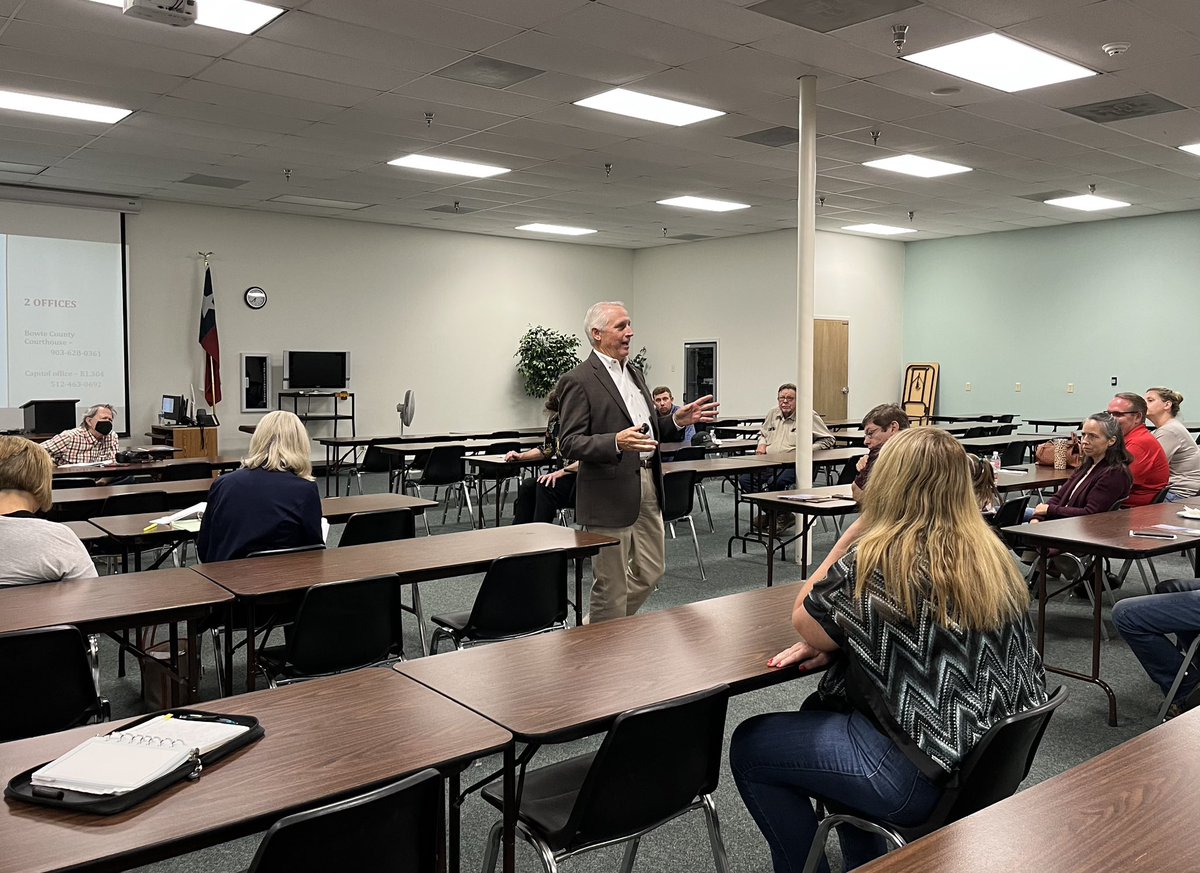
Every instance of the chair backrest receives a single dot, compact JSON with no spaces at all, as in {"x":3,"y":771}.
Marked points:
{"x":62,"y":482}
{"x":503,"y":448}
{"x":45,"y":682}
{"x":180,"y":472}
{"x":849,"y":472}
{"x":444,"y":466}
{"x":343,"y":625}
{"x":375,"y":460}
{"x":974,"y":432}
{"x":653,"y":763}
{"x":267,"y":553}
{"x":379,"y":526}
{"x":1011,"y":512}
{"x":1013,"y":455}
{"x":689,"y":453}
{"x":997,"y":765}
{"x":1005,"y":429}
{"x":504,"y":434}
{"x":679,"y":493}
{"x":390,"y":828}
{"x":1006,"y":419}
{"x":133,"y":504}
{"x":520,"y":594}
{"x":986,"y":418}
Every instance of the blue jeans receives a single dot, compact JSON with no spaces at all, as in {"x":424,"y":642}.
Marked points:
{"x":781,"y":759}
{"x":1144,"y":623}
{"x":1175,"y":497}
{"x":782,"y":479}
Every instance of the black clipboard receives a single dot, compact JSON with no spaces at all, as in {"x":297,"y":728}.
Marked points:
{"x":21,"y":788}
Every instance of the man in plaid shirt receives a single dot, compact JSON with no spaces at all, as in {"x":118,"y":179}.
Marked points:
{"x":93,"y":441}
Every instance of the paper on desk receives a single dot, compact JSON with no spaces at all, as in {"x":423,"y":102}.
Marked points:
{"x":815,"y":498}
{"x":84,"y":464}
{"x":324,"y":530}
{"x":1178,"y":529}
{"x":196,"y":511}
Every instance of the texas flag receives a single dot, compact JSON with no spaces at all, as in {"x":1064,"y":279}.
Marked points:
{"x":210,"y":343}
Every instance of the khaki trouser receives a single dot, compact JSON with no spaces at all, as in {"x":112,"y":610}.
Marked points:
{"x":625,"y":575}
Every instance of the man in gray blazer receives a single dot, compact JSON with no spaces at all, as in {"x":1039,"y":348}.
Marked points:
{"x":610,"y":426}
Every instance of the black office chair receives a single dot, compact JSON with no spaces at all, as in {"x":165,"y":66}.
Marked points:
{"x":1161,"y":497}
{"x":444,"y":467}
{"x":341,"y":626}
{"x":46,"y":683}
{"x":521,"y":595}
{"x":383,"y":526}
{"x":499,"y":477}
{"x":1006,"y":419}
{"x":697,"y":453}
{"x":184,"y":472}
{"x":678,"y":498}
{"x":849,"y":472}
{"x":378,"y":526}
{"x":375,"y":460}
{"x":1011,"y":512}
{"x":64,"y":482}
{"x":134,"y":503}
{"x":655,"y":764}
{"x":266,"y":620}
{"x":975,"y":432}
{"x":992,"y":771}
{"x":1013,"y":455}
{"x":396,"y":827}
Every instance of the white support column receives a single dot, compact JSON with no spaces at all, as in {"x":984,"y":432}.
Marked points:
{"x":806,"y":198}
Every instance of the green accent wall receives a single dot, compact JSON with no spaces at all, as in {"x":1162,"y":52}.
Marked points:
{"x":1077,"y":303}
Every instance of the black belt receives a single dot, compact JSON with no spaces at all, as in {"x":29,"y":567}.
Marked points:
{"x":645,"y":463}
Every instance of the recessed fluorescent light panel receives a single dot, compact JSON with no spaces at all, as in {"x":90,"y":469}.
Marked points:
{"x":1000,"y":62}
{"x":635,"y":105}
{"x":318,"y":201}
{"x":239,"y":16}
{"x":1087,"y":203}
{"x":62,"y":108}
{"x":561,"y":229}
{"x":703,"y":203}
{"x":1194,"y":148}
{"x":445,"y":165}
{"x":914,"y":165}
{"x":881,"y":229}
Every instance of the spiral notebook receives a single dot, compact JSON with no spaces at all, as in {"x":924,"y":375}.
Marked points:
{"x":125,"y":760}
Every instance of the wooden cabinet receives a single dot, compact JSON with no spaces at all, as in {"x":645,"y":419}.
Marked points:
{"x":195,"y":442}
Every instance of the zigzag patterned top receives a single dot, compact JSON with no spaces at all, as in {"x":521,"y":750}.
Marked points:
{"x":934,"y":690}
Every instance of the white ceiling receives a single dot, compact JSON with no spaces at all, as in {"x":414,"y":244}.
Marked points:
{"x":333,"y":89}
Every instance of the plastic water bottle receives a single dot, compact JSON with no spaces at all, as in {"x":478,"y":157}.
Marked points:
{"x":996,"y":462}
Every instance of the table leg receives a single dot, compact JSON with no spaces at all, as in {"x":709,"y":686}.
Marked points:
{"x":229,"y":651}
{"x":329,"y":453}
{"x":479,"y":500}
{"x":193,"y":659}
{"x":510,"y":808}
{"x":174,"y":662}
{"x":251,"y":654}
{"x":578,"y":590}
{"x":455,"y":825}
{"x":771,"y":547}
{"x":498,"y":482}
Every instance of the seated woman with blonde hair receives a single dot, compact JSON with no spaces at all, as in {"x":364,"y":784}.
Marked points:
{"x":924,"y":626}
{"x":33,"y":549}
{"x":270,"y":502}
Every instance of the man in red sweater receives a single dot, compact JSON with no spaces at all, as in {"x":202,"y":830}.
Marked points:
{"x":1150,"y":468}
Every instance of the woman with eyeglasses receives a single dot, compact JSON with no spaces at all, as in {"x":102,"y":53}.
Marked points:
{"x":1100,"y":481}
{"x":1162,"y":407}
{"x":925,"y":629}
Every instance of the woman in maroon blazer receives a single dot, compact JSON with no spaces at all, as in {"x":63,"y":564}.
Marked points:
{"x":1100,"y":481}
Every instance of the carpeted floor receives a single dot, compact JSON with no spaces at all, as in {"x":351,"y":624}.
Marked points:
{"x":1078,"y":731}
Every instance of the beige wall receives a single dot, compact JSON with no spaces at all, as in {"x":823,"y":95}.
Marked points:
{"x":742,"y":292}
{"x":434,"y":311}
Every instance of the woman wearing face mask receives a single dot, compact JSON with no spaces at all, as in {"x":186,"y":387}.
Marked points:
{"x":92,"y":442}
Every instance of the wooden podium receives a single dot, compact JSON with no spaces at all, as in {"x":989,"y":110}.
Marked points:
{"x":193,"y":442}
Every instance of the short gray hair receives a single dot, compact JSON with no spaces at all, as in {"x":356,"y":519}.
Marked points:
{"x":92,"y":410}
{"x":596,"y":319}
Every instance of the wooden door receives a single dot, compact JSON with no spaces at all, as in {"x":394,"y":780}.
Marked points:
{"x":831,"y":366}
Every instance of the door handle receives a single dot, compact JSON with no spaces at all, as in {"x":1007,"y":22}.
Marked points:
{"x":845,"y":390}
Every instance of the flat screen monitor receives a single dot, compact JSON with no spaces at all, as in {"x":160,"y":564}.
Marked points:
{"x":311,"y":371}
{"x":172,"y":408}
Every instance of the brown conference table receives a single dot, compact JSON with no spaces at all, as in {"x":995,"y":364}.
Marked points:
{"x":111,"y":604}
{"x":1130,"y":808}
{"x":135,"y":532}
{"x":559,"y":686}
{"x":415,"y":560}
{"x":828,"y":500}
{"x":1030,"y":477}
{"x":1107,"y":535}
{"x":221,"y":462}
{"x":326,"y":739}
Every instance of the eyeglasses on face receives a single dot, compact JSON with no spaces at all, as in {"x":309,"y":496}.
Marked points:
{"x":1123,"y":414}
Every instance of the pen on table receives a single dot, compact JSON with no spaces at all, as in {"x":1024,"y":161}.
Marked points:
{"x":149,"y":527}
{"x":1153,"y":535}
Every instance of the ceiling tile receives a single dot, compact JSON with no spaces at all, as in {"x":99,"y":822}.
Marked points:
{"x":625,"y":32}
{"x":417,"y":20}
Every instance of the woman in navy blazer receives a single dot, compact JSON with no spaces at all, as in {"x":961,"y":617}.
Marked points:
{"x":270,"y":502}
{"x":1101,"y":480}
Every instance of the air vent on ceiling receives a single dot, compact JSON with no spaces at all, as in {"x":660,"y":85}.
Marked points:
{"x":826,"y":15}
{"x":1138,"y":106}
{"x":213,"y":181}
{"x":489,"y":72}
{"x":690,"y":237}
{"x":773,"y":136}
{"x":452,"y":208}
